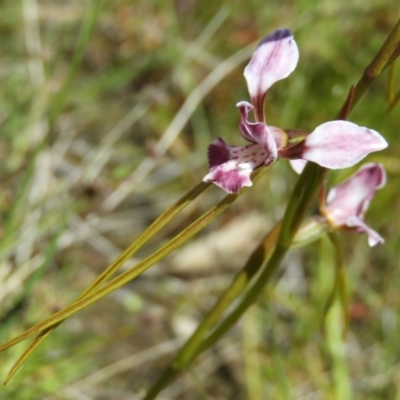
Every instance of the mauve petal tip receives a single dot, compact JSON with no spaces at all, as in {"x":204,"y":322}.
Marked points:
{"x":275,"y":58}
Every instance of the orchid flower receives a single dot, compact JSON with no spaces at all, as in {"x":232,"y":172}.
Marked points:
{"x":347,"y":202}
{"x":334,"y":144}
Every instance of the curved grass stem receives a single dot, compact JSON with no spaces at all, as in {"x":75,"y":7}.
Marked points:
{"x":155,"y":227}
{"x":132,"y":273}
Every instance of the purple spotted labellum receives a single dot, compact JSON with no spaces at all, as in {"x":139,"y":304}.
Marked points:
{"x":347,"y":203}
{"x":334,"y":144}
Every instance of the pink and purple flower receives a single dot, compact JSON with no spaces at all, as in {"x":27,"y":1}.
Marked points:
{"x":347,"y":203}
{"x":334,"y":144}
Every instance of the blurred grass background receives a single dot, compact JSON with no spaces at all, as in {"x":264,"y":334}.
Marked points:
{"x":106,"y":112}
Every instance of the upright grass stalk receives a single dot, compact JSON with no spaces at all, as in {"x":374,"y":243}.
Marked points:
{"x":388,"y":52}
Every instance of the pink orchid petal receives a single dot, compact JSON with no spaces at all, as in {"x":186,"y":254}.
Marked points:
{"x":231,"y":167}
{"x":275,"y":58}
{"x":352,"y":197}
{"x":340,"y":144}
{"x":218,"y":153}
{"x":373,"y":237}
{"x":230,"y":176}
{"x":244,"y":108}
{"x":257,"y":132}
{"x":347,"y":202}
{"x":298,"y":165}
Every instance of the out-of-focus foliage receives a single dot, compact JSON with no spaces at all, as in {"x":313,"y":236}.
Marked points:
{"x":76,"y":188}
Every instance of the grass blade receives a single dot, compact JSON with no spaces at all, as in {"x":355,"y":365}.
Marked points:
{"x":132,"y":273}
{"x":158,"y":224}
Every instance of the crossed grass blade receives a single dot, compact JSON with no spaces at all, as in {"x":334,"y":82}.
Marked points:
{"x":94,"y":293}
{"x":155,"y":227}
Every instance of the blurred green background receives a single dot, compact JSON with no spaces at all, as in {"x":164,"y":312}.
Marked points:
{"x":106,"y":112}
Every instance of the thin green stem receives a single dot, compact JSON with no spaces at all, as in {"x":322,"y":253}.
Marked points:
{"x":389,"y":51}
{"x":239,"y":283}
{"x":190,"y":349}
{"x":307,"y":185}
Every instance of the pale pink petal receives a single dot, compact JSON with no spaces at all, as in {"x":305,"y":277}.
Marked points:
{"x":244,"y":108}
{"x":361,"y":227}
{"x":275,"y":58}
{"x":231,"y":167}
{"x":298,"y":165}
{"x":230,"y":176}
{"x":257,"y":132}
{"x":340,"y":144}
{"x":347,"y":202}
{"x":352,"y":197}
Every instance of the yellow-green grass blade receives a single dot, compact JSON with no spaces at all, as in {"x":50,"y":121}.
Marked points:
{"x":158,"y":224}
{"x":132,"y":273}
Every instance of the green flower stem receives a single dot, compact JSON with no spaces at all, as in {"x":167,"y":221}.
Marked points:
{"x":305,"y":190}
{"x":306,"y":234}
{"x":132,"y":273}
{"x":156,"y":226}
{"x":336,"y":346}
{"x":190,"y":349}
{"x":389,"y":51}
{"x":310,"y":231}
{"x":240,"y":282}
